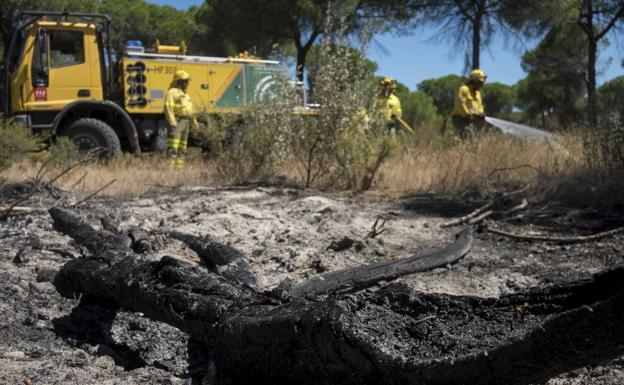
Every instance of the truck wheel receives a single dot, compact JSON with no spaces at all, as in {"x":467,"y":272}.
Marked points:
{"x":93,"y":134}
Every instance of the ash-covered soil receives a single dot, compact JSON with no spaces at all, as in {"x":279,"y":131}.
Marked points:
{"x":287,"y":233}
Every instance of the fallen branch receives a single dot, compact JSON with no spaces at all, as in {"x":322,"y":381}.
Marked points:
{"x":209,"y":250}
{"x":215,"y":253}
{"x":483,"y":213}
{"x":388,"y":336}
{"x":481,"y":218}
{"x":99,"y":190}
{"x":40,"y":174}
{"x":23,"y":210}
{"x":523,"y":205}
{"x":365,"y":276}
{"x":557,"y":239}
{"x":465,"y":219}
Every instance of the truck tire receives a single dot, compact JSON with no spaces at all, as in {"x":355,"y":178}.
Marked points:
{"x":91,"y":134}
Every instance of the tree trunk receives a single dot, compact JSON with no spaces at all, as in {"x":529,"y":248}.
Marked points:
{"x":301,"y":57}
{"x":592,"y":106}
{"x":477,"y":24}
{"x":392,"y":335}
{"x":302,"y":52}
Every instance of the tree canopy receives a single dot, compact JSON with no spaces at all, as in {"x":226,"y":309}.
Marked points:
{"x":560,"y":88}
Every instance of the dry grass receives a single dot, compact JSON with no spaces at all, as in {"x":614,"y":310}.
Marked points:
{"x":490,"y":163}
{"x":134,"y":177}
{"x":480,"y":164}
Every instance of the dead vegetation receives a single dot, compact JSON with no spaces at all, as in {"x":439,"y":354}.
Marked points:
{"x":476,"y":169}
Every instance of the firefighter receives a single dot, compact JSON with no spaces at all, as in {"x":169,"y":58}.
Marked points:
{"x":468,"y":112}
{"x":390,"y":104}
{"x":179,"y":113}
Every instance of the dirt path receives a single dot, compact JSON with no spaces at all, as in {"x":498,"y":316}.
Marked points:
{"x":288,"y":234}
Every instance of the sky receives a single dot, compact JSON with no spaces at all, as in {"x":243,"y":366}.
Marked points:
{"x":412,"y":59}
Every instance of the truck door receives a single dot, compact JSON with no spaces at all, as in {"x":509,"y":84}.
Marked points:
{"x":64,"y":69}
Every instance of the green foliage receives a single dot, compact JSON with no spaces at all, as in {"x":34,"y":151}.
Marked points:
{"x":366,"y":68}
{"x":140,"y":20}
{"x":611,"y":99}
{"x":458,"y":20}
{"x":63,"y":152}
{"x":258,"y":143}
{"x":339,"y":83}
{"x":8,"y":8}
{"x":554,"y":87}
{"x":15,"y":144}
{"x":132,"y":19}
{"x":418,"y":108}
{"x":499,"y":99}
{"x":442,"y":90}
{"x":345,"y":144}
{"x":211,"y":132}
{"x":287,"y":26}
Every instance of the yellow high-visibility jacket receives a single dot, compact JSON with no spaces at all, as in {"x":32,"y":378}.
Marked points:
{"x":178,"y":104}
{"x":467,"y":103}
{"x":392,"y":106}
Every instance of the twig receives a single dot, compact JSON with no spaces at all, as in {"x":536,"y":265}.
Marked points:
{"x":377,"y":231}
{"x":467,"y":218}
{"x":511,"y":194}
{"x":557,"y":239}
{"x":41,"y":173}
{"x":425,"y":319}
{"x":523,"y":205}
{"x":497,"y":170}
{"x":481,"y":217}
{"x":45,"y":186}
{"x":21,"y":210}
{"x":95,"y":193}
{"x":71,"y":189}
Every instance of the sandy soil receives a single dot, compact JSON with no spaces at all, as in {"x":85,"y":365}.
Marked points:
{"x":46,"y":339}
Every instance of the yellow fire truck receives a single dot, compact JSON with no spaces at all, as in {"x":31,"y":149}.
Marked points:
{"x":61,"y":74}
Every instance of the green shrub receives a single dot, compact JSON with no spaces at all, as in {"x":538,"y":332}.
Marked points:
{"x":64,"y":152}
{"x":16,"y":143}
{"x":344,"y":145}
{"x":256,"y":145}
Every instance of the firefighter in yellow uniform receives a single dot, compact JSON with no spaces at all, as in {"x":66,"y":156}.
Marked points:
{"x":179,"y":112}
{"x":468,"y":111}
{"x":390,"y":104}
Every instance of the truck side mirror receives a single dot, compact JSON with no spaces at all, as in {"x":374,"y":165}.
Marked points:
{"x":40,"y":65}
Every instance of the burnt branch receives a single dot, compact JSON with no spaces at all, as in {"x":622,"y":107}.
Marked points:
{"x":209,"y":250}
{"x":393,"y":335}
{"x":377,"y":228}
{"x":467,"y":218}
{"x":361,"y":277}
{"x":557,"y":239}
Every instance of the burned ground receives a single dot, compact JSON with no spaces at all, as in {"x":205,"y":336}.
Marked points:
{"x":286,"y":234}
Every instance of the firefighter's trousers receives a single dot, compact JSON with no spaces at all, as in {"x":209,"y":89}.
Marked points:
{"x":178,"y":141}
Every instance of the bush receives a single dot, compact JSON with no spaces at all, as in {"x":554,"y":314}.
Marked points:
{"x":15,"y":144}
{"x":344,"y":145}
{"x":64,"y":152}
{"x":257,"y":143}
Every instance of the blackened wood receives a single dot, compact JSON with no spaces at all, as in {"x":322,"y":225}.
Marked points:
{"x":393,"y":335}
{"x":208,"y":249}
{"x":365,"y":276}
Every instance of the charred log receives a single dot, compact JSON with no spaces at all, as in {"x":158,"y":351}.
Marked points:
{"x":214,"y":253}
{"x":389,"y":336}
{"x":365,"y":276}
{"x":208,"y":249}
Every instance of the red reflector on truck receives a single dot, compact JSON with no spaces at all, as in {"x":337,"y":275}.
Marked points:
{"x":41,"y":94}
